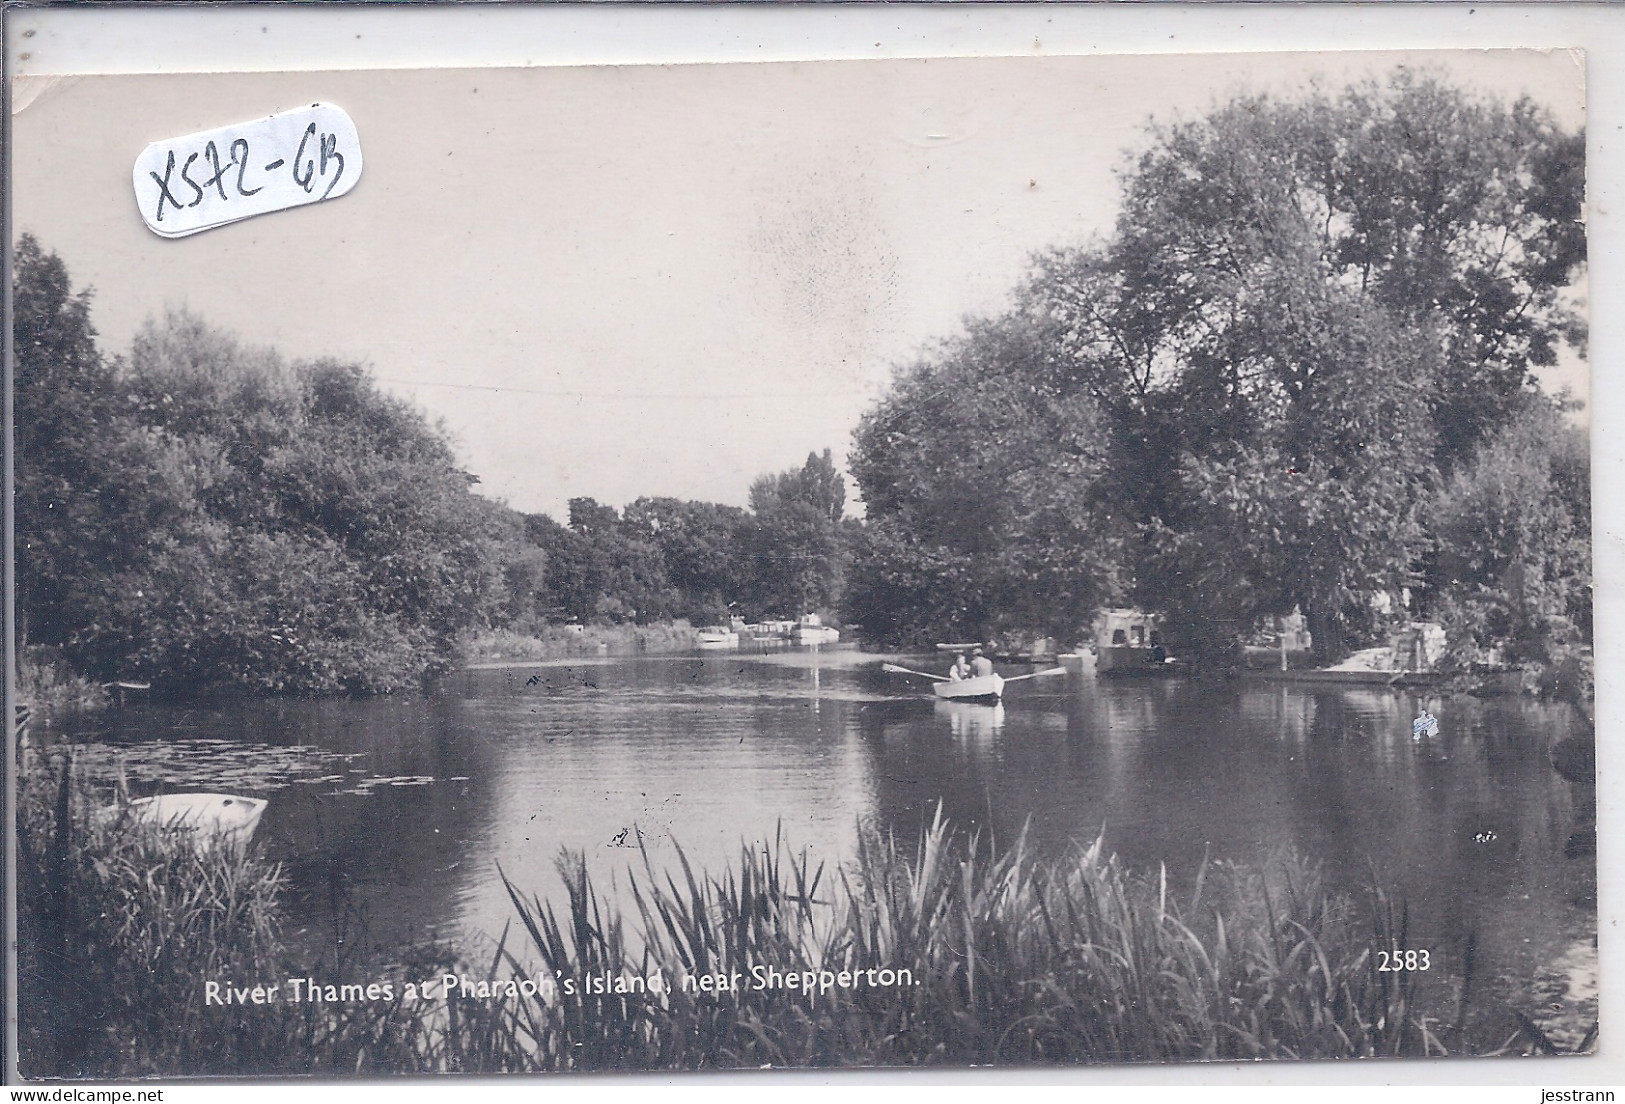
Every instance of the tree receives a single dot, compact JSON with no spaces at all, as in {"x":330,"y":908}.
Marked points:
{"x":1454,"y":215}
{"x":981,"y":473}
{"x":602,"y":569}
{"x":795,"y":538}
{"x":204,"y":514}
{"x":815,"y":483}
{"x":702,"y":545}
{"x":69,"y":424}
{"x":1514,"y":558}
{"x":1310,"y":310}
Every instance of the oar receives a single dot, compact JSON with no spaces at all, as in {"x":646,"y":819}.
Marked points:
{"x":896,"y":670}
{"x":1038,"y":674}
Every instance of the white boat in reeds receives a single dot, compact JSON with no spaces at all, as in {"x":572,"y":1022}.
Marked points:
{"x":202,"y":819}
{"x":717,"y":636}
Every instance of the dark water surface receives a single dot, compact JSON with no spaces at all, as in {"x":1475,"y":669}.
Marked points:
{"x":401,"y":809}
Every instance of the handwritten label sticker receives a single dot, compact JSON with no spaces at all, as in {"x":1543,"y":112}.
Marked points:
{"x":201,"y":181}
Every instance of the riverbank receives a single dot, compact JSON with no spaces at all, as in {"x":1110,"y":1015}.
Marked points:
{"x":501,"y":646}
{"x":951,"y":953}
{"x":47,"y":683}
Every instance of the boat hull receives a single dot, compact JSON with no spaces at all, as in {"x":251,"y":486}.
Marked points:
{"x":203,"y":819}
{"x":983,"y":688}
{"x":1126,"y":660}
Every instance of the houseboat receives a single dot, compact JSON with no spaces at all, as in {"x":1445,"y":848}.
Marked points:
{"x":1129,"y":642}
{"x":810,"y":630}
{"x":717,"y":636}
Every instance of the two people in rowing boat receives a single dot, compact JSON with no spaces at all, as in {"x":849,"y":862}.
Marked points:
{"x":978,"y":667}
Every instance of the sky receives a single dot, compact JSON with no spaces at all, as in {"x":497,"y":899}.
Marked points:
{"x":648,"y":280}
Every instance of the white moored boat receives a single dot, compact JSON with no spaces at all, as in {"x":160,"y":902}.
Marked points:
{"x":810,"y":630}
{"x":205,"y":819}
{"x":717,"y":636}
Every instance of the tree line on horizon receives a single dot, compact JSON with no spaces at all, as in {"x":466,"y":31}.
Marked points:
{"x":1297,"y":375}
{"x":664,"y":559}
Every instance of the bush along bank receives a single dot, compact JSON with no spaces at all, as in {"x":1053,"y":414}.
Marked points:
{"x":494,"y":647}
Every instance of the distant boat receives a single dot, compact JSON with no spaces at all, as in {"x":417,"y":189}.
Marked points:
{"x":1129,"y":642}
{"x":770,"y":631}
{"x":717,"y":636}
{"x":810,"y":630}
{"x":206,"y":819}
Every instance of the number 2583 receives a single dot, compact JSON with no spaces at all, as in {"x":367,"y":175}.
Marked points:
{"x":1399,"y":962}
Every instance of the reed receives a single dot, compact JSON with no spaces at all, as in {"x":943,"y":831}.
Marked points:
{"x":990,"y":956}
{"x":1012,"y":959}
{"x":120,"y":929}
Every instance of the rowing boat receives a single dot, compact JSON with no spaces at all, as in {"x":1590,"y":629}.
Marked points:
{"x":205,"y":819}
{"x":982,"y":688}
{"x":979,"y":688}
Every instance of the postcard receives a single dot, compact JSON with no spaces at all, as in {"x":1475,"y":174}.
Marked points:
{"x":921,"y":562}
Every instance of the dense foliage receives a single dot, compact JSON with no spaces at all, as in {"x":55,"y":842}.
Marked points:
{"x":204,"y":514}
{"x":982,"y":476}
{"x":1298,"y":374}
{"x":1260,"y":392}
{"x":665,"y":558}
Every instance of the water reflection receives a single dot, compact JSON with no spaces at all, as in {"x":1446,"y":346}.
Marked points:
{"x":971,"y":721}
{"x":407,"y":807}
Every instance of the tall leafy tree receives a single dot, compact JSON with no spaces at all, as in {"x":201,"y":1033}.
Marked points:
{"x":795,"y":538}
{"x":981,"y":471}
{"x":602,"y":569}
{"x":205,"y":514}
{"x":1514,"y":557}
{"x":69,"y":422}
{"x":703,"y":548}
{"x":1310,"y":308}
{"x":1311,"y":311}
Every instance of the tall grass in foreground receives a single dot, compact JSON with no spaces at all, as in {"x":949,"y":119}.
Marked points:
{"x":1015,"y":960}
{"x":1012,"y":958}
{"x":120,"y":929}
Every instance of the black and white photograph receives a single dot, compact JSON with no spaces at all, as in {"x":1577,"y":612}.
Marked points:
{"x":1018,"y":562}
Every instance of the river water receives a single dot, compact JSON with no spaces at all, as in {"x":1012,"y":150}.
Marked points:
{"x":399,"y":811}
